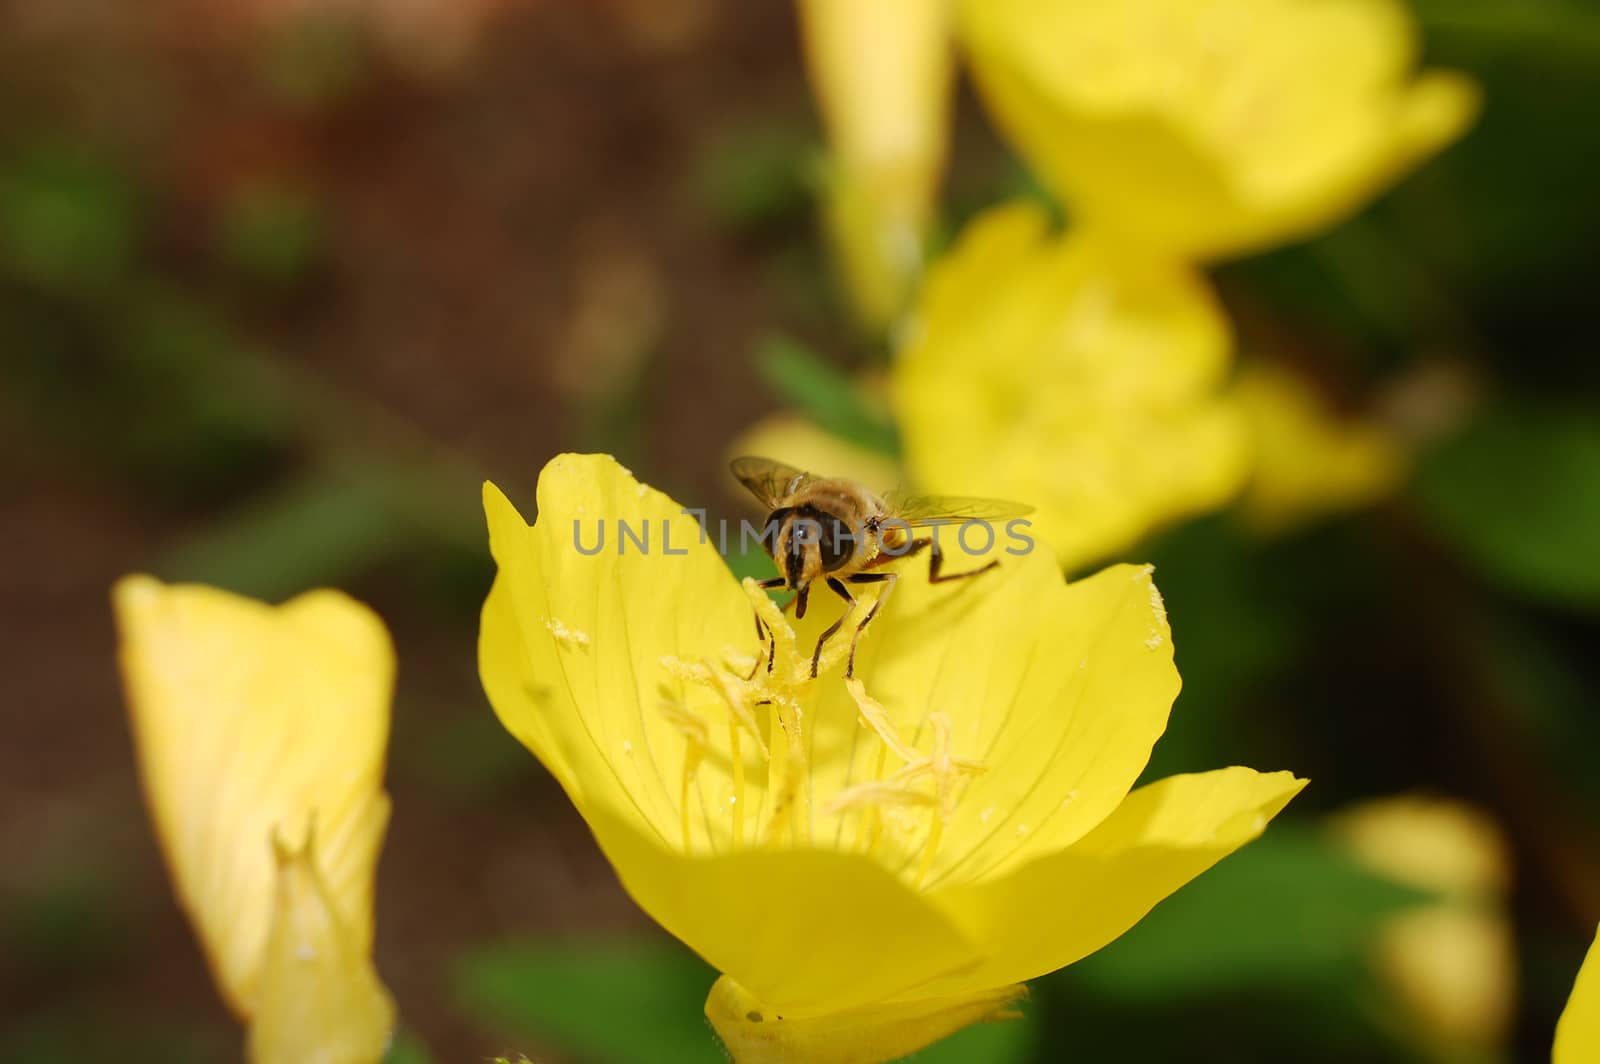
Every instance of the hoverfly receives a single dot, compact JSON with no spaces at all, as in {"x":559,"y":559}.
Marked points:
{"x":837,"y":531}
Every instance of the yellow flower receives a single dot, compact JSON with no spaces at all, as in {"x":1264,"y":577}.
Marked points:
{"x":1211,"y":127}
{"x":1307,"y":460}
{"x":261,"y":734}
{"x":1452,"y":963}
{"x":881,"y":72}
{"x":875,"y":862}
{"x":1052,"y":370}
{"x":1578,"y":1030}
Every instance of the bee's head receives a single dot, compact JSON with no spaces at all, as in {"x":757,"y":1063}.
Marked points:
{"x":809,"y":543}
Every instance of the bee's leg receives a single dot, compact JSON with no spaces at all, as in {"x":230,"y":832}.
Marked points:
{"x":936,"y":559}
{"x":850,"y":607}
{"x":763,"y":635}
{"x":868,"y":578}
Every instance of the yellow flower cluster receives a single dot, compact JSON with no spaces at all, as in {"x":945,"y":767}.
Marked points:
{"x":876,"y":862}
{"x":1085,"y":372}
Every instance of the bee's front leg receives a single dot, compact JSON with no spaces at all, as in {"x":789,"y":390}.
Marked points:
{"x":867,"y":578}
{"x":769,"y":642}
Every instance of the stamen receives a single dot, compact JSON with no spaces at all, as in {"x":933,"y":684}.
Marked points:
{"x":696,"y":736}
{"x":788,"y":775}
{"x":874,"y":716}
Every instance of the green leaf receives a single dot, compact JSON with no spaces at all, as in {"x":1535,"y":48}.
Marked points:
{"x":756,"y":176}
{"x":612,"y":1002}
{"x":1518,"y":495}
{"x":270,"y":230}
{"x":824,"y":394}
{"x":68,"y":220}
{"x":1289,"y":908}
{"x":407,"y":1048}
{"x":326,"y":527}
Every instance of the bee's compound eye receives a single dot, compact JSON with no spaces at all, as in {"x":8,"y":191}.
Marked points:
{"x":836,"y":543}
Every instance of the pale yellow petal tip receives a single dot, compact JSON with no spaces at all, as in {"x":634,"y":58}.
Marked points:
{"x":135,"y":592}
{"x":319,"y":1000}
{"x":1434,"y":844}
{"x":755,"y":1033}
{"x":1442,"y":106}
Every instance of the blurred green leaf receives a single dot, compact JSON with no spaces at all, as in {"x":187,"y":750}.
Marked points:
{"x":1518,"y":494}
{"x":754,"y":176}
{"x":1547,"y":28}
{"x":824,"y":394}
{"x":68,"y":219}
{"x":616,"y":1002}
{"x":1288,"y":908}
{"x":323,"y":528}
{"x":270,"y":230}
{"x":407,"y":1048}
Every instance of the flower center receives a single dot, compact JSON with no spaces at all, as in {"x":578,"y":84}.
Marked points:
{"x":896,"y":814}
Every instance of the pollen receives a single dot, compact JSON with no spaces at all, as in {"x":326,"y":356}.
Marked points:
{"x":893,"y":804}
{"x":570,"y":638}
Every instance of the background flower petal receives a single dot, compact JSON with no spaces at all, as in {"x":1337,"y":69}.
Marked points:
{"x":319,"y":1000}
{"x":1083,"y":382}
{"x":250,"y":721}
{"x":1203,"y":129}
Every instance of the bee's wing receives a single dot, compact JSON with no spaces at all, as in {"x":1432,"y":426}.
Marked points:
{"x":769,"y":481}
{"x":917,"y":510}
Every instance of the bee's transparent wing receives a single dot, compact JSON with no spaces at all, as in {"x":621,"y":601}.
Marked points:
{"x":768,"y":480}
{"x":917,"y":510}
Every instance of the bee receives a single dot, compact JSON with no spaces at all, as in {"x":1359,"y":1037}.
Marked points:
{"x":837,"y":531}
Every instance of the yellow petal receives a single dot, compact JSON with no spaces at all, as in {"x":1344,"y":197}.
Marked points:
{"x":1308,"y":461}
{"x":808,"y":931}
{"x":1061,"y":907}
{"x":755,"y":1033}
{"x":318,"y":999}
{"x":881,"y":73}
{"x":1062,"y":373}
{"x":576,"y":634}
{"x":1059,"y":690}
{"x":1578,"y":1030}
{"x":1209,"y":128}
{"x":253,"y":721}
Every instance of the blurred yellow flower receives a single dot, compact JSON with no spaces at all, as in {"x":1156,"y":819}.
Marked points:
{"x":1578,"y":1030}
{"x":1210,"y":127}
{"x":872,"y":863}
{"x":1053,"y":370}
{"x":1308,"y":461}
{"x":881,"y":73}
{"x":1452,"y":963}
{"x":261,"y":734}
